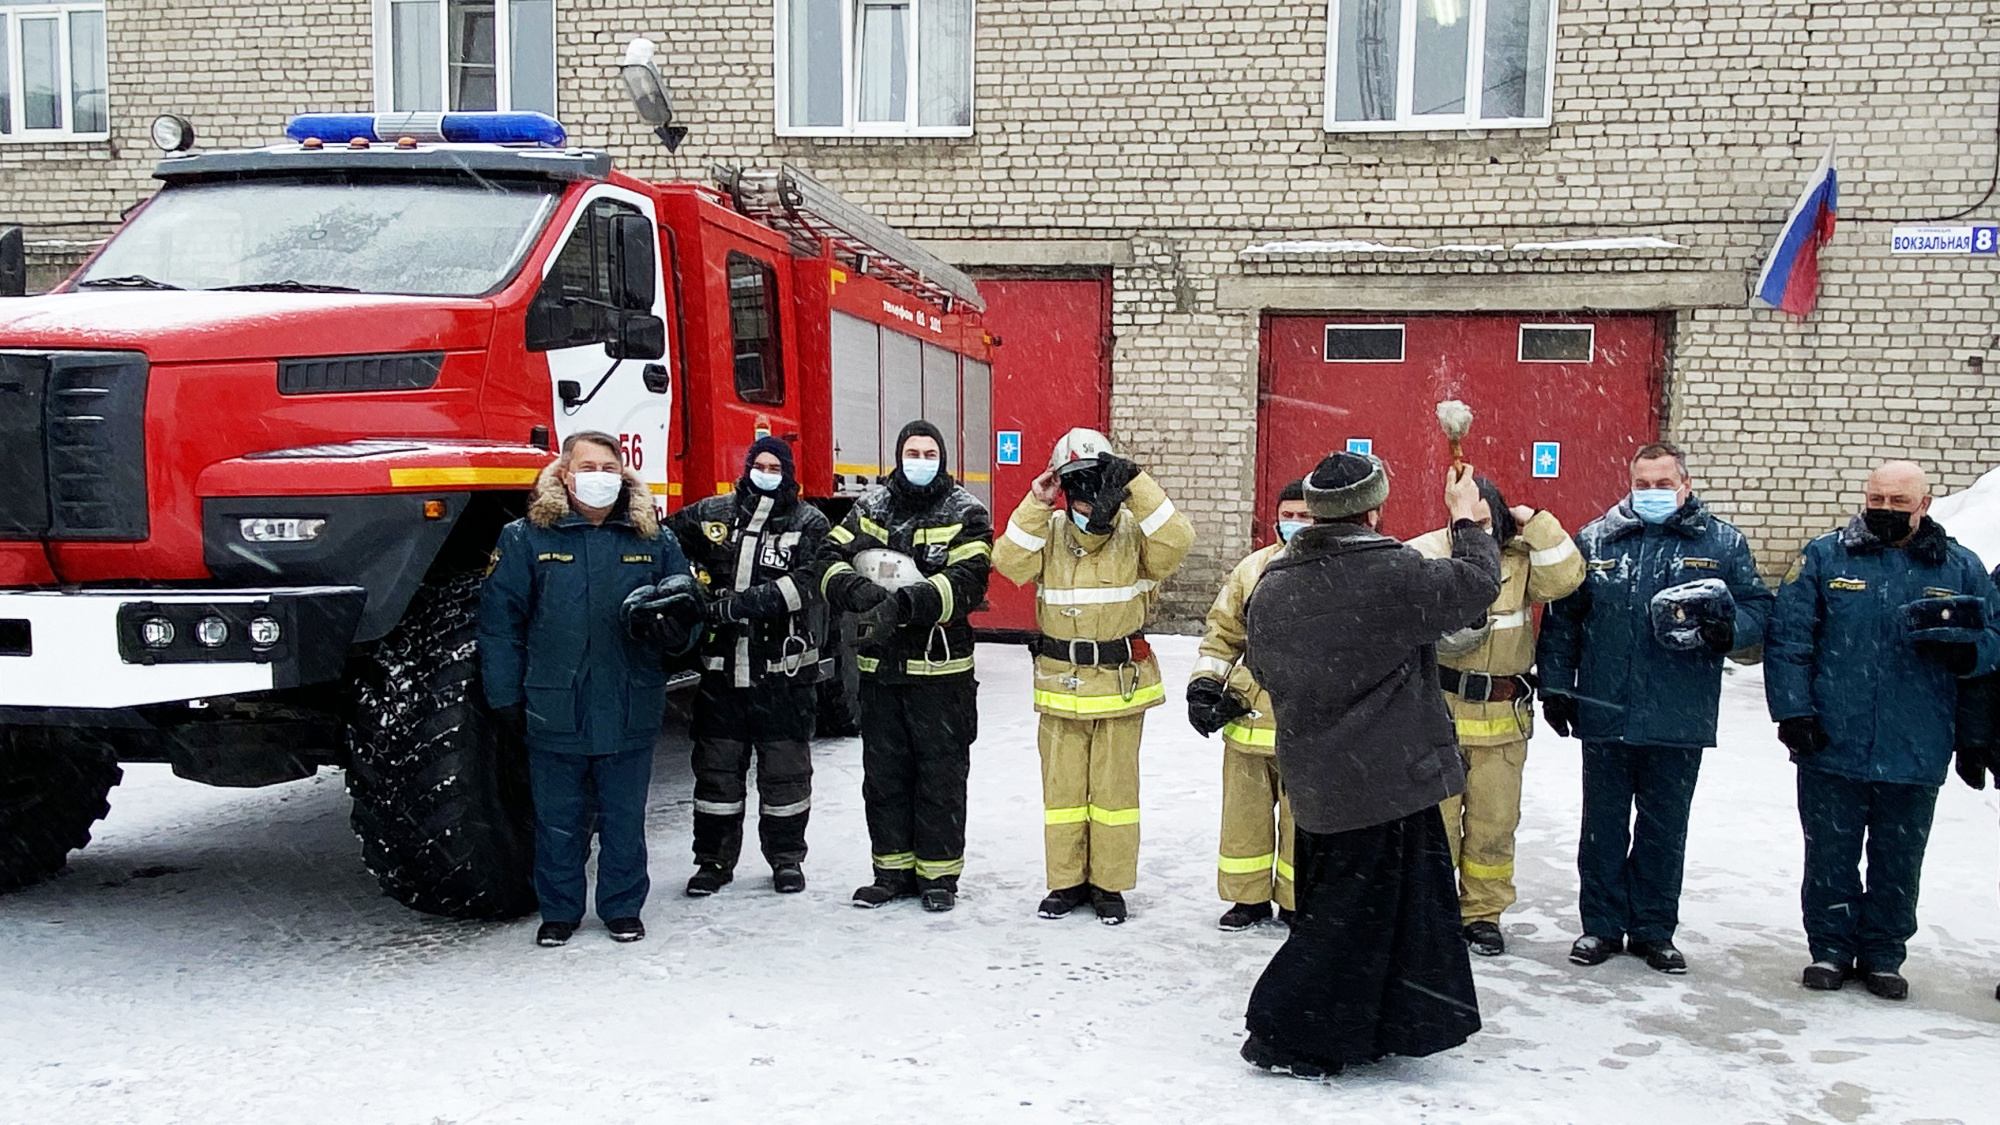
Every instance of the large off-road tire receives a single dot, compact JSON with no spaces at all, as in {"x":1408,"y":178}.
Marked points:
{"x":441,"y":800}
{"x":52,"y":788}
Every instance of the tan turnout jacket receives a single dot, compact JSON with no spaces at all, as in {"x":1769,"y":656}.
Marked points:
{"x":1222,"y":657}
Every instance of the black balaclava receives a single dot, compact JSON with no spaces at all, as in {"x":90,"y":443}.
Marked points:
{"x":908,"y":493}
{"x":788,"y":489}
{"x":1504,"y":525}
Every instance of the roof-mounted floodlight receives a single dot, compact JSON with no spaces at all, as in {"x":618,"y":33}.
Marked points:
{"x":649,"y":93}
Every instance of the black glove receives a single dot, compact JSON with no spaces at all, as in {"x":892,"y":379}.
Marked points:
{"x":1974,"y":763}
{"x":865,"y":596}
{"x":1802,"y":735}
{"x":1115,"y":476}
{"x":721,"y":611}
{"x":513,"y":720}
{"x":1211,"y":707}
{"x":1719,"y":636}
{"x":882,"y":620}
{"x":671,"y":614}
{"x":1559,"y":711}
{"x":1958,"y":657}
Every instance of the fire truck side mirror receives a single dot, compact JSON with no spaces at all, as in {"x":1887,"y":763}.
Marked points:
{"x":13,"y":263}
{"x":633,"y":265}
{"x":638,"y":336}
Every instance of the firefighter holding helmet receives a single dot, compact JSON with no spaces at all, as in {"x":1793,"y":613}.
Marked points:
{"x":1097,"y":537}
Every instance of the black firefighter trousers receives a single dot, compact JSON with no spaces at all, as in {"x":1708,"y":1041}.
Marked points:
{"x":916,"y":750}
{"x":772,"y":722}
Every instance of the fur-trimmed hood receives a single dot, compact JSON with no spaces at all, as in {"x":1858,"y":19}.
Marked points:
{"x":549,"y":502}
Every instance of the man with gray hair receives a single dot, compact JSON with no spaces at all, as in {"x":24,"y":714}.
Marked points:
{"x":1631,"y":663}
{"x":1342,"y":632}
{"x":1876,"y":624}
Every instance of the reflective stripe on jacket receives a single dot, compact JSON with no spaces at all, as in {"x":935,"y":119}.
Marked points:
{"x":1095,"y":588}
{"x":1221,"y":657}
{"x":1541,"y":564}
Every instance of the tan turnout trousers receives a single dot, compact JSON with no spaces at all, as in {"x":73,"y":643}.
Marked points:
{"x":1480,"y":825}
{"x":1255,"y":864}
{"x":1090,"y":796}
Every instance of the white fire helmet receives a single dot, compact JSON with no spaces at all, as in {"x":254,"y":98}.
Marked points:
{"x":1080,"y":444}
{"x":891,"y":570}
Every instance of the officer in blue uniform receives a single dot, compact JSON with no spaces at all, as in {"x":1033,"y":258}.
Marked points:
{"x":1631,"y":663}
{"x":562,"y":665}
{"x":1875,"y":626}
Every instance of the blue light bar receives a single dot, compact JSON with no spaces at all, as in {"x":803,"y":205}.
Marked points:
{"x":523,"y":128}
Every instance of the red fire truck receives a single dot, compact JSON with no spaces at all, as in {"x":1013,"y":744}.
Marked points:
{"x":257,"y":450}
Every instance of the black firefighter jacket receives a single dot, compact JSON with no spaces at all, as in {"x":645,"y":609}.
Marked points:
{"x":757,"y":551}
{"x":950,"y":535}
{"x":551,"y":622}
{"x":1343,"y":630}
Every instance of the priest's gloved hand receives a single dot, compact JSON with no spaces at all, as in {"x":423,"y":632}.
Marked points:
{"x":1803,"y":736}
{"x":1559,"y":711}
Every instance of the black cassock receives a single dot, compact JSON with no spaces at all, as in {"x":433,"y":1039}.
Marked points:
{"x":1376,"y":964}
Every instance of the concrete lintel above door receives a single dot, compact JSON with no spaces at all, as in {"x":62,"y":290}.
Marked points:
{"x":1632,"y":290}
{"x":1031,"y":253}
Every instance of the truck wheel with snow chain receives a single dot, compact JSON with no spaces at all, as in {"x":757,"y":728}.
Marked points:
{"x":53,"y":783}
{"x":441,"y":800}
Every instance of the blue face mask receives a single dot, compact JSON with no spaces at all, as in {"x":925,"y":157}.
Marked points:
{"x":765,"y":482}
{"x":1082,"y":521}
{"x":919,"y":471}
{"x":1654,"y":505}
{"x":1289,"y":528}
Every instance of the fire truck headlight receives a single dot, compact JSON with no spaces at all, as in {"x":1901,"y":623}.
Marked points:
{"x":265,"y":632}
{"x":172,"y":134}
{"x":212,"y":632}
{"x":156,"y":632}
{"x":287,"y":530}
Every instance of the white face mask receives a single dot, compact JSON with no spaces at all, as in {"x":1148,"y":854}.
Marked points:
{"x":597,"y":490}
{"x":765,"y":482}
{"x":919,"y":471}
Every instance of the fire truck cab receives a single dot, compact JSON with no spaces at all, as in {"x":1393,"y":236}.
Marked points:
{"x":258,"y":448}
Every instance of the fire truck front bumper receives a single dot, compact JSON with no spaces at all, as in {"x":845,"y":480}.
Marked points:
{"x":103,"y":649}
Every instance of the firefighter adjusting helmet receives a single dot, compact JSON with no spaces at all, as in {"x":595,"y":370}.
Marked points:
{"x":1078,"y":450}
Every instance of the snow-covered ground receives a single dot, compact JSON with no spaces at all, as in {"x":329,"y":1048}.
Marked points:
{"x":219,"y":956}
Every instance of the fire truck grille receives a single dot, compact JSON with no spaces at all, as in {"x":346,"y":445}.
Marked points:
{"x":73,"y":446}
{"x":405,"y":371}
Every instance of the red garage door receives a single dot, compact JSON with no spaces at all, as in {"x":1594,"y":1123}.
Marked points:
{"x":1559,"y":404}
{"x":1051,"y":371}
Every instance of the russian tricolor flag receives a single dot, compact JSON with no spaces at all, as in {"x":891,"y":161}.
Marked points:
{"x":1790,"y":280}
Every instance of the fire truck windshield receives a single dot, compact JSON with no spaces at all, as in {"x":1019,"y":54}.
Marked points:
{"x":437,"y":237}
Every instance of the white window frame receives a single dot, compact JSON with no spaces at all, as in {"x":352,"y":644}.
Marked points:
{"x":503,"y":57}
{"x":11,"y":18}
{"x":1475,"y":63}
{"x":850,"y":82}
{"x":1402,"y":341}
{"x":1521,"y":340}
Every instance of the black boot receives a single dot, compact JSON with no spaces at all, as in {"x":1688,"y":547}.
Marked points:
{"x":708,"y":879}
{"x":626,"y":929}
{"x":1244,"y":915}
{"x":1059,"y":903}
{"x":1591,"y":949}
{"x":788,"y":879}
{"x":939,"y":895}
{"x":888,"y":887}
{"x":1110,"y":906}
{"x":1285,"y":915}
{"x":1825,"y":976}
{"x":1887,"y":983}
{"x":552,"y":934}
{"x":1660,"y":956}
{"x":1485,"y":939}
{"x":1264,"y":1056}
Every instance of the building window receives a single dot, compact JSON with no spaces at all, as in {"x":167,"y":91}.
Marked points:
{"x":1439,"y":64}
{"x":1557,"y":343}
{"x":1364,"y":343}
{"x":52,"y":72}
{"x":875,"y":68}
{"x":445,"y":55}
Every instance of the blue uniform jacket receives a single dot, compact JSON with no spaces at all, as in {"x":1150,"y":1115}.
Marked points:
{"x":551,"y":630}
{"x":1598,"y":643}
{"x":1838,"y":649}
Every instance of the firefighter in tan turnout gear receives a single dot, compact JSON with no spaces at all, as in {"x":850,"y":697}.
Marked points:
{"x":1483,"y":669}
{"x":1253,"y":866}
{"x":1097,"y":562}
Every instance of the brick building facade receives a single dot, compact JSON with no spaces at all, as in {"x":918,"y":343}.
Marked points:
{"x":1157,"y":142}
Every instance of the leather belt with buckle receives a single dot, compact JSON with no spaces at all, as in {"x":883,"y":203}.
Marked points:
{"x":1125,"y":650}
{"x":1478,"y":687}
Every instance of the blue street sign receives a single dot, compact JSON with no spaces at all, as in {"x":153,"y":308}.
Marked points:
{"x":1548,"y":458}
{"x":1360,"y":445}
{"x":1007,"y":447}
